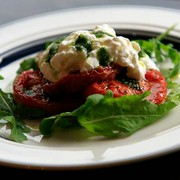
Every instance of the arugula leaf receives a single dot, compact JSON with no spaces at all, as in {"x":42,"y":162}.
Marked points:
{"x":114,"y":116}
{"x":1,"y":77}
{"x":16,"y":131}
{"x":29,"y":63}
{"x":46,"y":127}
{"x":166,"y":33}
{"x":63,"y":120}
{"x":6,"y":103}
{"x":7,"y":113}
{"x":162,"y":53}
{"x":109,"y":116}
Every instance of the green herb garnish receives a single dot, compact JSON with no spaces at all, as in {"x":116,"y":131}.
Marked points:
{"x":82,"y":42}
{"x":1,"y":77}
{"x":103,"y":56}
{"x":100,"y":34}
{"x":53,"y":48}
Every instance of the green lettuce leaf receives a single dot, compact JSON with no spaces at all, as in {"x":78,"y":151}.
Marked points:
{"x":110,"y":117}
{"x":26,"y":64}
{"x":162,"y":53}
{"x":8,"y":114}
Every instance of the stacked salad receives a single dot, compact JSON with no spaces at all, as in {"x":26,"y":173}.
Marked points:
{"x":96,"y":80}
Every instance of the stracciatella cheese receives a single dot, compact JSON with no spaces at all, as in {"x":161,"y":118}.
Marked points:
{"x":86,"y":50}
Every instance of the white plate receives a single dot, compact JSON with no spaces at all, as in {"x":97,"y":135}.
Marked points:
{"x":71,"y":150}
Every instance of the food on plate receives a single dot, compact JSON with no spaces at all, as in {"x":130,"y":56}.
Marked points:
{"x":108,"y":84}
{"x":85,"y":63}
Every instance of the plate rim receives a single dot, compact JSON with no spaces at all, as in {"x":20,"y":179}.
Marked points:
{"x":83,"y":165}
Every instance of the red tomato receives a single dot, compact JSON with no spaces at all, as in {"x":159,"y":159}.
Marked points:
{"x":76,"y":82}
{"x":28,"y":90}
{"x":154,"y":82}
{"x":158,"y":86}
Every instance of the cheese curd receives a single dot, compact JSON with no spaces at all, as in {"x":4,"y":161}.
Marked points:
{"x":86,"y":50}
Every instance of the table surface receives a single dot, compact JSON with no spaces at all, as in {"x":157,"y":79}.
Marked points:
{"x":166,"y":166}
{"x":11,"y":10}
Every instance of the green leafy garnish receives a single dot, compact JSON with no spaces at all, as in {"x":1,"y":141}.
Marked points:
{"x":100,"y":34}
{"x":114,"y":116}
{"x":26,"y":64}
{"x":109,"y":116}
{"x":162,"y":53}
{"x":53,"y":48}
{"x":8,"y":114}
{"x":103,"y":56}
{"x":166,"y":33}
{"x":1,"y":77}
{"x":82,"y":42}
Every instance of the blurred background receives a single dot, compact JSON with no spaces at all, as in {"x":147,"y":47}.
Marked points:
{"x":11,"y":10}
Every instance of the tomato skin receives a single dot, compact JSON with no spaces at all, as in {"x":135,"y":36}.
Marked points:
{"x":154,"y":82}
{"x":76,"y":82}
{"x":28,"y":90}
{"x":32,"y":90}
{"x":158,"y":86}
{"x":115,"y":86}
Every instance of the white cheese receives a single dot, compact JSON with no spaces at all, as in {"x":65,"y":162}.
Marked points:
{"x":69,"y":58}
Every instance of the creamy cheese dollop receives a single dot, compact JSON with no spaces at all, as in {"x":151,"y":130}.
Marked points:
{"x":86,"y":50}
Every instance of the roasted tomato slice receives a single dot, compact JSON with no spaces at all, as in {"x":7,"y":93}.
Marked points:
{"x":77,"y":81}
{"x":28,"y":90}
{"x":154,"y":82}
{"x":158,"y":86}
{"x":29,"y":87}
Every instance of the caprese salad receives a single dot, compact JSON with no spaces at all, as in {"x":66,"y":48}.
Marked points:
{"x":102,"y":82}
